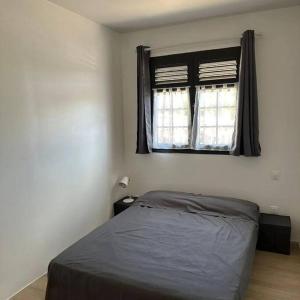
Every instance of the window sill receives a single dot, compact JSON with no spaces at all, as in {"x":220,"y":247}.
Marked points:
{"x":191,"y":151}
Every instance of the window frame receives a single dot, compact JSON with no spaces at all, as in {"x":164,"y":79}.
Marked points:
{"x":189,"y":128}
{"x":192,"y":60}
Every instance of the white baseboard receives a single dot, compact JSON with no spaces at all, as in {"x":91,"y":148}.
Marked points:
{"x":24,"y":287}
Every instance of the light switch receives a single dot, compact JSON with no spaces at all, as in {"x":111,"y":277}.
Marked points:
{"x":275,"y":175}
{"x":274,"y":209}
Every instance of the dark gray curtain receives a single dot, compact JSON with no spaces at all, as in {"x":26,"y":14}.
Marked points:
{"x":246,"y":136}
{"x":144,"y":127}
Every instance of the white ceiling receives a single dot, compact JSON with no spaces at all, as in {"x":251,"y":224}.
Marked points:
{"x":128,"y":15}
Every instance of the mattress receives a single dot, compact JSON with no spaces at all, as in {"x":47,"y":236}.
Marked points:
{"x":168,"y":245}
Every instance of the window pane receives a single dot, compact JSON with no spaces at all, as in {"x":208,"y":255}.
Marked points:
{"x":164,"y":136}
{"x":208,"y":98}
{"x":167,"y":100}
{"x":208,"y":116}
{"x":159,"y":101}
{"x":180,"y":99}
{"x":164,"y":118}
{"x":181,"y":136}
{"x":227,"y":96}
{"x":225,"y":135}
{"x":171,"y":118}
{"x":160,"y":118}
{"x":181,"y":117}
{"x":226,"y":116}
{"x":208,"y":136}
{"x":216,"y":113}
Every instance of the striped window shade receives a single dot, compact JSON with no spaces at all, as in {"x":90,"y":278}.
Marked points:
{"x":222,"y":71}
{"x":171,"y":75}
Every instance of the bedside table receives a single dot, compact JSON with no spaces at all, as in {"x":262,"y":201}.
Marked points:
{"x":274,"y":233}
{"x":119,"y":206}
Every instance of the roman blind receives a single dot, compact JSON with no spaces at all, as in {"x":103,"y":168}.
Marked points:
{"x":218,"y":71}
{"x":170,"y":75}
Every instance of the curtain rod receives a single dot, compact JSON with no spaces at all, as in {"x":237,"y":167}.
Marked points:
{"x":257,"y":35}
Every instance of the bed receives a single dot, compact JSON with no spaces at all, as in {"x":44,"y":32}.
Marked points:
{"x":168,"y":245}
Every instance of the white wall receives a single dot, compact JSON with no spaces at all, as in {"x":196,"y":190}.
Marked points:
{"x":60,"y":134}
{"x":61,"y":127}
{"x":278,"y":64}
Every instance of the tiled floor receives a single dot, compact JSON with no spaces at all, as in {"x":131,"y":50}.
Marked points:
{"x":274,"y":277}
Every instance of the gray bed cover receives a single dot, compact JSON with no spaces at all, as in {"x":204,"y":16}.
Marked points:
{"x":168,"y":245}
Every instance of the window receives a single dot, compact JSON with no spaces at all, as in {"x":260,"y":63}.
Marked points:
{"x":215,"y":112}
{"x":195,"y":100}
{"x":172,"y":118}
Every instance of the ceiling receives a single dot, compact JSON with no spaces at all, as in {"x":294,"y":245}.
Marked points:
{"x":129,"y":15}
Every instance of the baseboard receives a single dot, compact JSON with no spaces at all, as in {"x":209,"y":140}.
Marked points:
{"x":31,"y":282}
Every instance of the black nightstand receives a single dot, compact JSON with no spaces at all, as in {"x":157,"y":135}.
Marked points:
{"x":274,"y":233}
{"x":119,"y":206}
